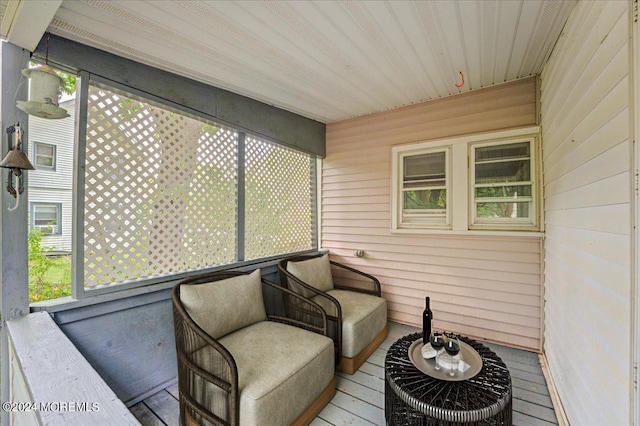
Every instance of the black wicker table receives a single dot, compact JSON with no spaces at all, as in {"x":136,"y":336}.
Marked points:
{"x":414,"y":398}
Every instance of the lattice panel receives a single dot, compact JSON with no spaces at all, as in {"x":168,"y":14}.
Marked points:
{"x":279,"y":200}
{"x":160,"y":191}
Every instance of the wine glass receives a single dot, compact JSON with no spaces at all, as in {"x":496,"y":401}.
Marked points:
{"x":437,"y":343}
{"x":452,"y":347}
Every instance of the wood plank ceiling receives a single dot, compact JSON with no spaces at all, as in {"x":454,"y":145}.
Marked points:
{"x":327,"y":60}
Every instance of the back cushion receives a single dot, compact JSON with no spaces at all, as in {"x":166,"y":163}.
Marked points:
{"x":222,"y":307}
{"x":315,"y":272}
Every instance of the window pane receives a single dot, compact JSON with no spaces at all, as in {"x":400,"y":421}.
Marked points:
{"x":504,"y":151}
{"x":44,"y":161}
{"x":44,"y":221}
{"x":279,"y":200}
{"x":46,"y":150}
{"x":425,"y":169}
{"x":45,"y":155}
{"x":508,"y":171}
{"x":503,"y":210}
{"x":46,"y":230}
{"x":504,"y":191}
{"x":43,"y":215}
{"x":160,"y":191}
{"x":426,"y":199}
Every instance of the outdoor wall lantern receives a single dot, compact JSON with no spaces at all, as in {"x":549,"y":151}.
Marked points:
{"x":16,"y":161}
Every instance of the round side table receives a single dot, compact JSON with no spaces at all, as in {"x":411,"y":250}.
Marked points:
{"x":414,"y":398}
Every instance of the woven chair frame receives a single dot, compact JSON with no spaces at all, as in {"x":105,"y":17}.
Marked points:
{"x":334,"y":321}
{"x":212,"y":397}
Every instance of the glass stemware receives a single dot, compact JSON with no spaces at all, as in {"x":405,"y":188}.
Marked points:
{"x":452,"y":347}
{"x":437,"y":341}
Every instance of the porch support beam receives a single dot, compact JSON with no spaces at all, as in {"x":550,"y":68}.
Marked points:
{"x":14,"y":275}
{"x":241,"y":112}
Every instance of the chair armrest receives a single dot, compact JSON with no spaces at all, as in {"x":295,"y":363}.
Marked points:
{"x":299,"y":311}
{"x":207,"y":369}
{"x":369,"y":286}
{"x":293,"y":283}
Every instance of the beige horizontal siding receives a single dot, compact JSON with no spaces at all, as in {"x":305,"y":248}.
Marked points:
{"x":485,"y":287}
{"x":586,"y":120}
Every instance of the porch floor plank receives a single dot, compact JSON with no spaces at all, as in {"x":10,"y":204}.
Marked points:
{"x":359,"y":398}
{"x":145,"y":416}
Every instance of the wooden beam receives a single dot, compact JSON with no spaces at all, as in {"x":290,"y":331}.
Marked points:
{"x":24,"y":22}
{"x":244,"y":114}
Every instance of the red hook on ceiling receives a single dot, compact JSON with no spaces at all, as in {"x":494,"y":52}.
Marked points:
{"x":461,"y":84}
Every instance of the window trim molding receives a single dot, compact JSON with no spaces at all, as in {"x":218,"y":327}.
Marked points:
{"x":397,"y":182}
{"x":35,"y":156}
{"x":460,"y":197}
{"x":528,"y":224}
{"x":32,"y":218}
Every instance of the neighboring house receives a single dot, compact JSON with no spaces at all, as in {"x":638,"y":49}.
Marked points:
{"x":50,"y":150}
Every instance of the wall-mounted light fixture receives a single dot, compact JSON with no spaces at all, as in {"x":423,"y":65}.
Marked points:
{"x":16,"y":161}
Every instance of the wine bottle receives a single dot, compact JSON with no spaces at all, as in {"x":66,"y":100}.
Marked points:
{"x":427,"y":319}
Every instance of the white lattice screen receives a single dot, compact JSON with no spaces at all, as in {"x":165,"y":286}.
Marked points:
{"x":160,"y":191}
{"x":279,"y":200}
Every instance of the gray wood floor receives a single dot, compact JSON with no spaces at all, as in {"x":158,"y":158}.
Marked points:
{"x":360,"y":397}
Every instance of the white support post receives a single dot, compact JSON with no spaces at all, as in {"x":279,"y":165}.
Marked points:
{"x":14,"y":293}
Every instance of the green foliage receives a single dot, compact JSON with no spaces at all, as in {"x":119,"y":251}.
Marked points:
{"x":129,"y":108}
{"x":49,"y":277}
{"x":425,"y":199}
{"x":39,"y":263}
{"x":490,"y":208}
{"x":69,"y":82}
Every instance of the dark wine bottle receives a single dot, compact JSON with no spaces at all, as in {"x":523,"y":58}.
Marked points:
{"x":427,"y":319}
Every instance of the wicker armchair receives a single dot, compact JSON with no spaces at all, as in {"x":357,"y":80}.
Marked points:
{"x":356,"y":312}
{"x":243,"y":363}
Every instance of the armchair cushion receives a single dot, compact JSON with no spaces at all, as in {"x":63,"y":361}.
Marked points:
{"x":315,"y":272}
{"x":363,"y":317}
{"x":281,"y":370}
{"x":238,"y":303}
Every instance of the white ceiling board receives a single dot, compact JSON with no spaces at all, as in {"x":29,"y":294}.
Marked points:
{"x":24,"y":22}
{"x":327,"y":60}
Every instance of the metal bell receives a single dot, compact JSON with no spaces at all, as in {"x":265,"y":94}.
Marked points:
{"x":16,"y":159}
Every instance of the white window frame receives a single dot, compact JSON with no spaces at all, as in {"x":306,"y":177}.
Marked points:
{"x":35,"y":155}
{"x":460,"y":175}
{"x":528,"y":223}
{"x":57,"y":228}
{"x":418,"y":220}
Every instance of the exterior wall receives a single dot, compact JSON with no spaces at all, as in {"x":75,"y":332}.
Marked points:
{"x":62,"y":242}
{"x":54,"y":186}
{"x":585,"y":98}
{"x":487,"y":287}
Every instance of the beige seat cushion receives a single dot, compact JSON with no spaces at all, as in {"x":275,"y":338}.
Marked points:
{"x":363,"y":317}
{"x":221,"y":307}
{"x":316,"y":272}
{"x":281,"y":370}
